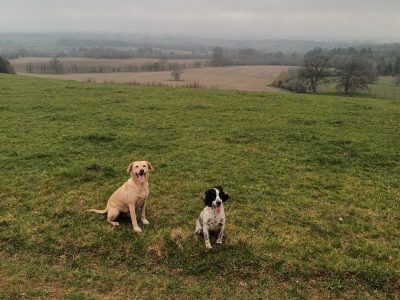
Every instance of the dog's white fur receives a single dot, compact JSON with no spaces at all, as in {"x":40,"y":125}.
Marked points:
{"x":212,"y":219}
{"x":130,"y":196}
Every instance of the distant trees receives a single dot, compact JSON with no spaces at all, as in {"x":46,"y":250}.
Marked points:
{"x":314,"y":69}
{"x":396,"y":68}
{"x":5,"y":66}
{"x":351,"y":72}
{"x":55,"y":66}
{"x":176,"y":72}
{"x":307,"y":77}
{"x":354,"y":74}
{"x":217,"y":59}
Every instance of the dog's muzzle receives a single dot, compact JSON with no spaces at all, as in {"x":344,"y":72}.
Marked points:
{"x":141,"y":176}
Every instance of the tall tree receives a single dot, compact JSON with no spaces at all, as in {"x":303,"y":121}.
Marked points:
{"x":217,"y":59}
{"x":353,"y":74}
{"x":55,"y":66}
{"x":314,"y":69}
{"x":176,"y":71}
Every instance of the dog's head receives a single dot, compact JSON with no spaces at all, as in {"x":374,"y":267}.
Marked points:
{"x":215,"y":196}
{"x":139,"y":170}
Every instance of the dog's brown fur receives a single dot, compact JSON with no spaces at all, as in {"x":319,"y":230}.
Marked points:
{"x":131,"y":195}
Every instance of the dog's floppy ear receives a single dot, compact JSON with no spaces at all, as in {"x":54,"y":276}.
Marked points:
{"x":129,"y":169}
{"x":222,"y":193}
{"x":208,"y":198}
{"x":224,"y":196}
{"x":150,"y":166}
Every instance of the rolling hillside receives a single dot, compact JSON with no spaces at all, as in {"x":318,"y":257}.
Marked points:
{"x":314,"y":184}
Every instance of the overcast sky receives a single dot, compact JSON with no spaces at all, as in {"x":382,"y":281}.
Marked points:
{"x":322,"y":19}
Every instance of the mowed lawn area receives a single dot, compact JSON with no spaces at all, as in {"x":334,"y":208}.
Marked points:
{"x":314,"y":185}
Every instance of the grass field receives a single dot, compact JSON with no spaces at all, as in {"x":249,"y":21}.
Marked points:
{"x":246,"y":78}
{"x":314,"y":184}
{"x":384,"y":88}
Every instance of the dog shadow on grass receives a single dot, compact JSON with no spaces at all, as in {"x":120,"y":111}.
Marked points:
{"x":234,"y":256}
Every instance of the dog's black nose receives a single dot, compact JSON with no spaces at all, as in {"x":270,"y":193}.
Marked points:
{"x":141,"y":172}
{"x":218,"y":203}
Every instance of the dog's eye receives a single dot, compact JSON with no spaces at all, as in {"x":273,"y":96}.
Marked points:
{"x":136,"y":166}
{"x":144,"y":166}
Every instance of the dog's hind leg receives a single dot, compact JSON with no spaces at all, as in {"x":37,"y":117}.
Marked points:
{"x":112,"y":214}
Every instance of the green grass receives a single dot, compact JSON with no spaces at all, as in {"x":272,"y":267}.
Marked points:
{"x":384,"y":88}
{"x":314,"y":184}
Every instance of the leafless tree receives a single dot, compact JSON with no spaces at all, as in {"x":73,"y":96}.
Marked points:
{"x":217,"y":57}
{"x":176,"y":71}
{"x":353,"y":74}
{"x":314,"y":69}
{"x":55,"y":66}
{"x":163,"y":63}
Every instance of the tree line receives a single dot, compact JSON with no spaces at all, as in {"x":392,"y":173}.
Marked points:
{"x":55,"y":66}
{"x":100,"y":52}
{"x":384,"y":56}
{"x":351,"y":69}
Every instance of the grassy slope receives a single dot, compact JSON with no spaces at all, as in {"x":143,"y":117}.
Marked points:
{"x":383,"y":88}
{"x":314,"y":182}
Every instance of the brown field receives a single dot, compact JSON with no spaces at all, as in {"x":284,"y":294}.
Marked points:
{"x":20,"y":63}
{"x":247,"y":78}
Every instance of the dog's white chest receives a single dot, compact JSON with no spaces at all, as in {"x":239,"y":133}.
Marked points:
{"x":213,"y":220}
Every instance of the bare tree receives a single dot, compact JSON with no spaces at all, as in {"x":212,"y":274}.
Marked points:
{"x":314,"y":69}
{"x":163,"y":61}
{"x":176,"y":71}
{"x":217,"y":57}
{"x":353,"y":74}
{"x":55,"y":66}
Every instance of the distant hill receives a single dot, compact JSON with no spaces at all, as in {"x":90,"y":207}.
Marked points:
{"x":183,"y":42}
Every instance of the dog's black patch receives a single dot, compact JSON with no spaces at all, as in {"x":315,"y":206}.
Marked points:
{"x":209,"y":197}
{"x":211,"y":194}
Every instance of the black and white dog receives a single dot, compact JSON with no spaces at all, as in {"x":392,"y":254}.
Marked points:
{"x":212,"y":218}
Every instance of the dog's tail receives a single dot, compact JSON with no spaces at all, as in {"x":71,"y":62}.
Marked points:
{"x":104,"y":211}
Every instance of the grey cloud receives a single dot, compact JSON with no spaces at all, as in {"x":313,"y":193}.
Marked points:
{"x":251,"y":18}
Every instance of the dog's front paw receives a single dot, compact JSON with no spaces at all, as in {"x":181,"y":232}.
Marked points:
{"x":137,"y":229}
{"x":145,"y":222}
{"x":219,"y":241}
{"x":208,"y":246}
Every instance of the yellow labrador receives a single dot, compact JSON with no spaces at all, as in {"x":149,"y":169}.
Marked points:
{"x":131,"y":195}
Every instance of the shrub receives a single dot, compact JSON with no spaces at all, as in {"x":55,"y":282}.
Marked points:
{"x":5,"y":66}
{"x":290,"y":80}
